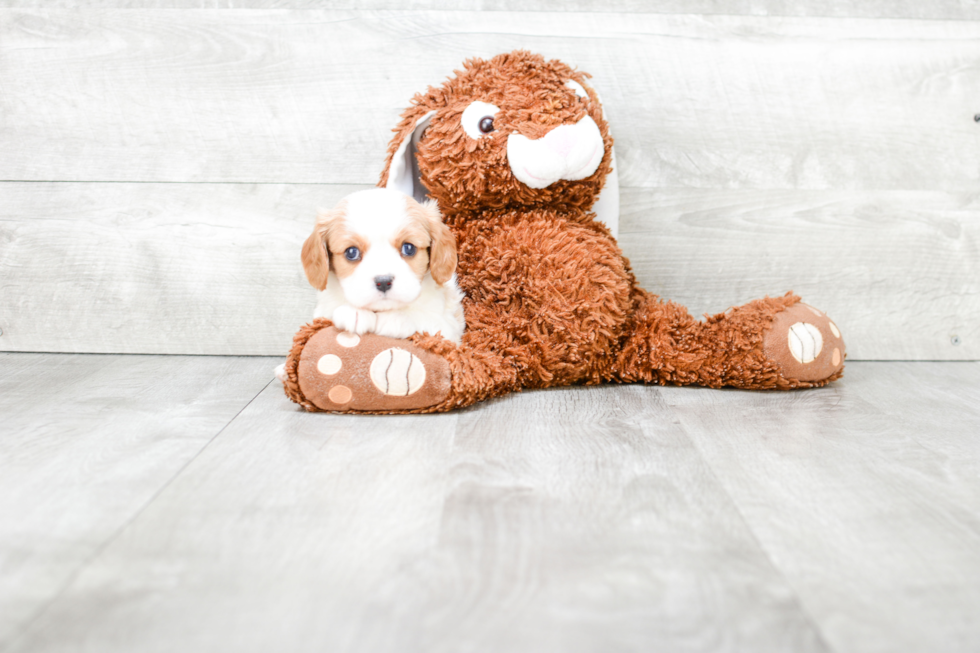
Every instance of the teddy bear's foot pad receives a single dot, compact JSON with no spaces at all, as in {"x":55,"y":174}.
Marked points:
{"x":805,"y":343}
{"x":340,"y":371}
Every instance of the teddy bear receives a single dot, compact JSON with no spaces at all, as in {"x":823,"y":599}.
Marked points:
{"x":515,"y":150}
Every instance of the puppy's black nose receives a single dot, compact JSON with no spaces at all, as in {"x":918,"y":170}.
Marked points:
{"x":383,"y":283}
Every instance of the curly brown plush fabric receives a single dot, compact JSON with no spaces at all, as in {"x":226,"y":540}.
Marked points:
{"x":550,"y":298}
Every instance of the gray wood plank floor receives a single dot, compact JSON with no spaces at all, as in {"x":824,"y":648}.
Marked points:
{"x":85,"y":443}
{"x":161,"y":503}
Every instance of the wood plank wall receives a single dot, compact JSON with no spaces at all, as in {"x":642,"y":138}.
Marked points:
{"x":162,"y":161}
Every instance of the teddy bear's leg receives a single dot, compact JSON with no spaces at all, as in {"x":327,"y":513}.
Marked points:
{"x":775,"y":342}
{"x":331,"y":370}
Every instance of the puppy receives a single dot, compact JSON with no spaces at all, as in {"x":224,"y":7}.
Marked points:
{"x":385,"y":264}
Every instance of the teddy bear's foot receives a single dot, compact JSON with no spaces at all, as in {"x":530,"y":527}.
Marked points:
{"x":340,"y":371}
{"x":805,"y":345}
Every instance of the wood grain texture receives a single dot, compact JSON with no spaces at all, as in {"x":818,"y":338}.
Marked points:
{"x":85,"y":444}
{"x":932,"y":10}
{"x":570,"y":520}
{"x":214,"y":268}
{"x":899,"y":272}
{"x":623,"y":518}
{"x":156,"y":268}
{"x":310,"y":96}
{"x":276,"y":539}
{"x":623,"y":540}
{"x":865,"y":494}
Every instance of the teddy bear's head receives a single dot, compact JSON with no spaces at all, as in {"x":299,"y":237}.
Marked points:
{"x":515,"y":131}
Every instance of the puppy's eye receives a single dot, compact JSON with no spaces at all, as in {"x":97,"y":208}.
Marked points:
{"x":408,"y":250}
{"x":352,"y":254}
{"x":477,"y":119}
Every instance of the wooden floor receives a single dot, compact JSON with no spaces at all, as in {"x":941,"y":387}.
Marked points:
{"x":166,"y":503}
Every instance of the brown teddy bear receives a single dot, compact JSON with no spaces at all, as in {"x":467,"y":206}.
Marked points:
{"x":515,"y":150}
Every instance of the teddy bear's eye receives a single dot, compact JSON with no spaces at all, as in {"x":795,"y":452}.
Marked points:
{"x":352,"y":254}
{"x":478,"y":118}
{"x":408,"y":250}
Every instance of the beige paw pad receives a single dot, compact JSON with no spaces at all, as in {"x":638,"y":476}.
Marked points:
{"x":805,"y":342}
{"x":812,"y":310}
{"x":348,"y":340}
{"x":329,"y":364}
{"x":397,"y":372}
{"x":340,"y":394}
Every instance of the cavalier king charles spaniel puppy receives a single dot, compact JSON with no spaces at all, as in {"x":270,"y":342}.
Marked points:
{"x":385,"y":264}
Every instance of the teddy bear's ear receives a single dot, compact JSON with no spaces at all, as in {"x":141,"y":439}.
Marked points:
{"x":403,"y":171}
{"x":606,"y":206}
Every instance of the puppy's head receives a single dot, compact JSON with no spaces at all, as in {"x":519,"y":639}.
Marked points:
{"x":380,"y":244}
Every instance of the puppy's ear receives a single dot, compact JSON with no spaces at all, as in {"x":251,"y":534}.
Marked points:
{"x":316,"y":253}
{"x":442,"y":251}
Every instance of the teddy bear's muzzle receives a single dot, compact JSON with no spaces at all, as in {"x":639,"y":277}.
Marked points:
{"x":569,"y":152}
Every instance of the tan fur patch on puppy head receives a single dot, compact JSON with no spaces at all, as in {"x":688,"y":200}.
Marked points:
{"x":337,"y":244}
{"x":315,"y":254}
{"x":417,"y":235}
{"x":441,"y":256}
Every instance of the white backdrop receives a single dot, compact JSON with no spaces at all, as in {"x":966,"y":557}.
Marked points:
{"x":162,"y":166}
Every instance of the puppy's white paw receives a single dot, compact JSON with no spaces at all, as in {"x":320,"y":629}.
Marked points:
{"x":281,"y":372}
{"x":355,"y":320}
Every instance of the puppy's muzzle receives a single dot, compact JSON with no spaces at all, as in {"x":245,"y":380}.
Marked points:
{"x":383,"y":282}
